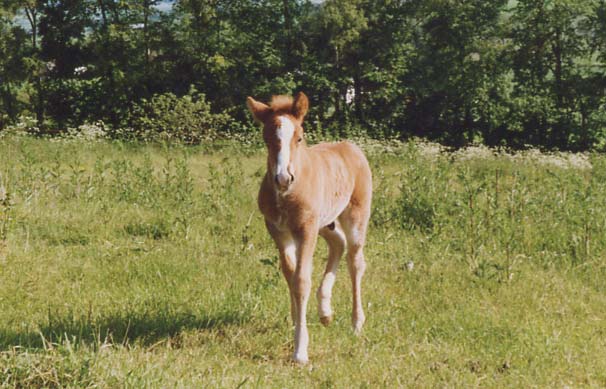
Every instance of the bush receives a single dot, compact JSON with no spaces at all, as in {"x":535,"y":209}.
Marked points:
{"x":422,"y":191}
{"x":167,"y":117}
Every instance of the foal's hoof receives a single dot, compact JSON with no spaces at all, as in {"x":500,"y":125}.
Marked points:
{"x":326,"y":320}
{"x":357,"y":326}
{"x":300,"y":360}
{"x":357,"y":330}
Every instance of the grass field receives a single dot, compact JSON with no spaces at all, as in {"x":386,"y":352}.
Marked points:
{"x":138,"y":265}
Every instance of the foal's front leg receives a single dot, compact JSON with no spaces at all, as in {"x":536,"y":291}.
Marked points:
{"x":306,"y":239}
{"x":288,"y":258}
{"x":287,"y":265}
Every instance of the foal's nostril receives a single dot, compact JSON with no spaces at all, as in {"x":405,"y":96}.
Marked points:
{"x":284,"y":180}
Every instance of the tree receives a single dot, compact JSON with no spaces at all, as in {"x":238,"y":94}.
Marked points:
{"x":343,"y":23}
{"x":552,"y":66}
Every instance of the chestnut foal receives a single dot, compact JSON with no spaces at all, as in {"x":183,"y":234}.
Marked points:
{"x":325,"y":189}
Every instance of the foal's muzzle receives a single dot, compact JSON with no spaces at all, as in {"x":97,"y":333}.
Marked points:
{"x":284,"y":180}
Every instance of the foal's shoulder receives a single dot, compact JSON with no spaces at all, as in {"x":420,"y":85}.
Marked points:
{"x":346,"y":151}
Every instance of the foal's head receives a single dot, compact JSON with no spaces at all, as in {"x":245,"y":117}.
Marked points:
{"x":282,"y":133}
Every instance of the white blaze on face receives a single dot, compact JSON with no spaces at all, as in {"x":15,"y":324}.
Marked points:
{"x":285,"y":132}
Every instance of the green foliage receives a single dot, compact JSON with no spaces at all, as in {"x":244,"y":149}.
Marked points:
{"x":167,"y":117}
{"x":502,"y":73}
{"x":344,"y":23}
{"x":416,"y":207}
{"x":12,"y":68}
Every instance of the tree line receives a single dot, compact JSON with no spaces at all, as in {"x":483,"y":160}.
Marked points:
{"x":502,"y":72}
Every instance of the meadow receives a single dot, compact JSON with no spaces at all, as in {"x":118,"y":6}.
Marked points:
{"x":138,"y":265}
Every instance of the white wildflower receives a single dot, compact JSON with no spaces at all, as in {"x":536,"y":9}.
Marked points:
{"x":562,"y":160}
{"x":86,"y":132}
{"x":474,"y":153}
{"x":430,"y":150}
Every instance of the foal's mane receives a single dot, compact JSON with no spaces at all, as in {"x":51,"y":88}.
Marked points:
{"x":281,"y":104}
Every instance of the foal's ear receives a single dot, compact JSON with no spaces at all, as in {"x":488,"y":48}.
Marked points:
{"x":300,"y":106}
{"x":259,"y":110}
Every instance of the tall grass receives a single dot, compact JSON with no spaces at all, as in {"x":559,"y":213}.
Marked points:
{"x":139,"y":265}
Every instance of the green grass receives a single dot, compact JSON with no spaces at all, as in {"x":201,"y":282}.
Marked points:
{"x":138,"y":265}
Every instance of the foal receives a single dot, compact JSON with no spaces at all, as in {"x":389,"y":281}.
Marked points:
{"x":325,"y":189}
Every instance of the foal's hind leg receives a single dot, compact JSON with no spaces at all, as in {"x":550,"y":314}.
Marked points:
{"x":336,"y":245}
{"x":355,"y":222}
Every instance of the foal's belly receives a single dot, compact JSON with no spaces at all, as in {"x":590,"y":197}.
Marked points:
{"x":332,"y":210}
{"x":337,"y":187}
{"x":326,"y":214}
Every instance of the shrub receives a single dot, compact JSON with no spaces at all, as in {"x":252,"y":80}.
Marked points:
{"x":415,"y":209}
{"x":167,"y":117}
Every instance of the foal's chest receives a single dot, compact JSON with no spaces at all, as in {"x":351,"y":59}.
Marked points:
{"x":278,"y":211}
{"x":272,"y":206}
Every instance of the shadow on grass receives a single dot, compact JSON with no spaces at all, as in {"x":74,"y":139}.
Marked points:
{"x":144,"y":328}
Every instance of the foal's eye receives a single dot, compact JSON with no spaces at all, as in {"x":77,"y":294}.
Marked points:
{"x":299,"y":140}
